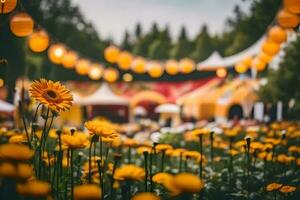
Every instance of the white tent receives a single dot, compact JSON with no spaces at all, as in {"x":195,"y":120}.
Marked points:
{"x":215,"y":60}
{"x":167,"y":108}
{"x":6,"y":107}
{"x":102,"y":96}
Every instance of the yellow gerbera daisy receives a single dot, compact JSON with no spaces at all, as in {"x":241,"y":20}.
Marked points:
{"x":52,"y":94}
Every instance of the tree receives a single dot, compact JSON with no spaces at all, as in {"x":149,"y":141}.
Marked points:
{"x":126,"y":44}
{"x":159,"y":49}
{"x":282,"y":83}
{"x":138,"y":31}
{"x":142,"y":45}
{"x":203,"y":45}
{"x":244,"y":29}
{"x":183,"y":47}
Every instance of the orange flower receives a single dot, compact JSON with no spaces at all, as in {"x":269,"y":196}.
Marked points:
{"x":273,"y":186}
{"x":287,"y":189}
{"x":52,"y":94}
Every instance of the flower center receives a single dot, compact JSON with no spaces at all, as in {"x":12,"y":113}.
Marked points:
{"x":51,"y":94}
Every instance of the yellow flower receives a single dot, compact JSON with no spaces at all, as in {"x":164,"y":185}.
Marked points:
{"x":129,"y":172}
{"x":273,"y":186}
{"x":193,"y":155}
{"x":142,"y":149}
{"x":78,"y":140}
{"x":101,"y":128}
{"x":231,"y":132}
{"x":129,"y":142}
{"x":287,"y":189}
{"x":202,"y":131}
{"x":177,"y":152}
{"x":188,"y":183}
{"x":16,"y":170}
{"x":87,"y":192}
{"x":15,"y":152}
{"x":18,"y":139}
{"x":294,"y":149}
{"x":162,"y":147}
{"x":145,"y":196}
{"x":256,"y":146}
{"x":233,"y":152}
{"x":52,"y":94}
{"x":282,"y":158}
{"x":34,"y":188}
{"x":183,"y":183}
{"x":162,"y":177}
{"x":265,"y":155}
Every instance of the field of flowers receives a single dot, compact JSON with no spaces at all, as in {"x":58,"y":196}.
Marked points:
{"x":100,"y":161}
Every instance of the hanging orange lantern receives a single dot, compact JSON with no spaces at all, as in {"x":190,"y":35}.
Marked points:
{"x":7,"y":6}
{"x":124,"y":60}
{"x":264,"y":57}
{"x":155,"y":70}
{"x":287,"y":20}
{"x":292,"y":5}
{"x":186,"y":65}
{"x":241,"y":68}
{"x":172,"y":67}
{"x":56,"y":53}
{"x":110,"y":75}
{"x":111,"y":54}
{"x":258,"y":64}
{"x":247,"y":61}
{"x":21,"y":24}
{"x":38,"y":41}
{"x":138,"y":65}
{"x":270,"y":48}
{"x":277,"y":34}
{"x":221,"y":72}
{"x":82,"y":66}
{"x":127,"y":77}
{"x":96,"y":71}
{"x":69,"y":59}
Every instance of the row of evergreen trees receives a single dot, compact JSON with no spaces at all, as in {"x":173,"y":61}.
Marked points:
{"x":67,"y":24}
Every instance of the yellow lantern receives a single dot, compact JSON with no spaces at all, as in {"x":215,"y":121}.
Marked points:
{"x":21,"y":24}
{"x":292,"y":5}
{"x":69,"y":59}
{"x":56,"y":53}
{"x":258,"y":64}
{"x":241,"y":68}
{"x":82,"y":66}
{"x":172,"y":67}
{"x":155,"y":70}
{"x":270,"y":48}
{"x":127,"y":77}
{"x":38,"y":41}
{"x":7,"y":6}
{"x":1,"y":82}
{"x":186,"y":65}
{"x":96,"y":71}
{"x":247,"y":61}
{"x":287,"y":20}
{"x":277,"y":34}
{"x":110,"y":75}
{"x":264,"y":57}
{"x":139,"y":65}
{"x":221,"y":72}
{"x":111,"y":54}
{"x":124,"y":60}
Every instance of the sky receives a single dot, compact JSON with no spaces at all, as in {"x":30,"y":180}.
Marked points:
{"x":112,"y":17}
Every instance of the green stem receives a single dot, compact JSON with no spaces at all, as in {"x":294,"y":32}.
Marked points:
{"x":101,"y":177}
{"x":72,"y":173}
{"x":146,"y":170}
